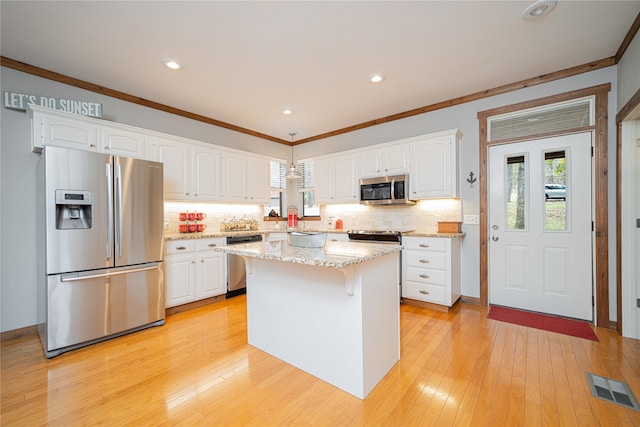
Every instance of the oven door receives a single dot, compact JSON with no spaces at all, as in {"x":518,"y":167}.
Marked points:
{"x":376,"y":193}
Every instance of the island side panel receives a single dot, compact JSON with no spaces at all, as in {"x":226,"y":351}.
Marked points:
{"x":304,"y":316}
{"x":381,"y":318}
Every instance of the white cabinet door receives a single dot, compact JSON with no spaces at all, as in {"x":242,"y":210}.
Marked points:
{"x":233,"y":170}
{"x":396,"y":160}
{"x":175,"y":156}
{"x":386,"y":161}
{"x":62,"y":132}
{"x":434,"y":168}
{"x":205,"y":174}
{"x":371,"y":164}
{"x":258,"y":180}
{"x":122,"y":142}
{"x":179,"y":273}
{"x":325,"y":180}
{"x":210,"y":274}
{"x":346,"y":187}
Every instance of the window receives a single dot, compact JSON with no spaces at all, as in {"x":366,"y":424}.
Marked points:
{"x":307,"y":187}
{"x":278,"y":187}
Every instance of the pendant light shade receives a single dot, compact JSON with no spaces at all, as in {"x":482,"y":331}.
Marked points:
{"x":292,"y":173}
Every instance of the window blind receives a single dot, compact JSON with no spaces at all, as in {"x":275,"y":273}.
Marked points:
{"x":278,"y":170}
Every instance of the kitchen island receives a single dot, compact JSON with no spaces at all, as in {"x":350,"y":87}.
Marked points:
{"x":332,"y":312}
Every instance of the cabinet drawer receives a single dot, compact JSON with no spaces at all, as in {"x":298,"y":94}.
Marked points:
{"x":426,"y":259}
{"x":208,"y":244}
{"x":426,"y":243}
{"x":424,"y":275}
{"x":179,"y":246}
{"x":424,"y":292}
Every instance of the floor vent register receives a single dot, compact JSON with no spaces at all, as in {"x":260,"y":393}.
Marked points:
{"x":612,"y":391}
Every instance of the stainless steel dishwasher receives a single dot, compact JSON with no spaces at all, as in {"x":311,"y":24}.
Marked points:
{"x":236,"y":272}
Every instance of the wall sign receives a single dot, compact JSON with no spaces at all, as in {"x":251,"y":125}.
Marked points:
{"x":19,"y":101}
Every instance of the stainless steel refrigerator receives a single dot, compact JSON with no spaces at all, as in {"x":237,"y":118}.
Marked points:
{"x":101,"y":247}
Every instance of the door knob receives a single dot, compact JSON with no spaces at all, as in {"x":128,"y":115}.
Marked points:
{"x":495,"y":238}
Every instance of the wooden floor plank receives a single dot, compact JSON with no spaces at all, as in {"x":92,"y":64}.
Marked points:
{"x":457,"y":368}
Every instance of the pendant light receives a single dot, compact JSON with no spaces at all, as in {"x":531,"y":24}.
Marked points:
{"x":292,"y":172}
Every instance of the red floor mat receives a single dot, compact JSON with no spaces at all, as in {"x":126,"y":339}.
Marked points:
{"x":575,"y":328}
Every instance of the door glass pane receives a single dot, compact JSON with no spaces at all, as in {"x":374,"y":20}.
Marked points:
{"x":516,"y":197}
{"x":555,"y":191}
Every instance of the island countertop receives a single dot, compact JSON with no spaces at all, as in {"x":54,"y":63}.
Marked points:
{"x":333,"y":254}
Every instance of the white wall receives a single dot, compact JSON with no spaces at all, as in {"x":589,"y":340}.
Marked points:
{"x":629,"y":73}
{"x":18,"y":187}
{"x":18,"y":296}
{"x":464,"y":117}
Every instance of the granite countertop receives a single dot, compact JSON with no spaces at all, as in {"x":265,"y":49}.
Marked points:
{"x":433,"y":234}
{"x":214,"y":234}
{"x":333,"y":254}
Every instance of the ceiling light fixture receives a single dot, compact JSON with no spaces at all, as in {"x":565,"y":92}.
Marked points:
{"x":287,"y":111}
{"x":376,"y":78}
{"x":538,"y":9}
{"x":171,"y":63}
{"x":292,"y":173}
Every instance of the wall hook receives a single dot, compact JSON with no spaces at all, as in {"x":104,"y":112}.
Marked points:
{"x":471,"y":180}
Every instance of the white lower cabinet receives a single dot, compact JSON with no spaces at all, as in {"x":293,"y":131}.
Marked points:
{"x":431,"y":269}
{"x":193,"y":271}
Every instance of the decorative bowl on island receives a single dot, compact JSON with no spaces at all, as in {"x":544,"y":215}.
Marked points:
{"x":301,"y":239}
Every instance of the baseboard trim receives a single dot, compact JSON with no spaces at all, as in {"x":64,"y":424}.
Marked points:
{"x":19,"y":333}
{"x":431,"y":306}
{"x":470,"y":300}
{"x":192,"y":305}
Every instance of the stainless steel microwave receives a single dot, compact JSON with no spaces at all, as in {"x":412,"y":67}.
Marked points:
{"x":385,"y":190}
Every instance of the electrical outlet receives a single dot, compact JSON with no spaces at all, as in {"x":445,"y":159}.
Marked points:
{"x":472,"y":219}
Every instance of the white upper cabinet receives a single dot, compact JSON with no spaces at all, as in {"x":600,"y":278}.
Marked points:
{"x":175,"y":157}
{"x":122,"y":142}
{"x":387,"y":161}
{"x":246,"y":179}
{"x":336,"y":180}
{"x":434,"y":166}
{"x":60,"y":130}
{"x":206,"y":174}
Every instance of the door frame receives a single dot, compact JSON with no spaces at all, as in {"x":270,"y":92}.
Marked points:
{"x":600,"y":177}
{"x":630,"y":111}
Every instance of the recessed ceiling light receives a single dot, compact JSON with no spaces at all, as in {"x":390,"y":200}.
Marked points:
{"x":171,"y":63}
{"x":537,"y":9}
{"x":376,"y":78}
{"x":287,"y":111}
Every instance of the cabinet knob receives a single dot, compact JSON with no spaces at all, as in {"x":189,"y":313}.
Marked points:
{"x":196,"y":194}
{"x":202,"y":261}
{"x":424,"y":261}
{"x":193,"y":262}
{"x":212,"y":245}
{"x":424,"y":245}
{"x":181,"y":248}
{"x":424,"y":276}
{"x":92,"y":145}
{"x":424,"y":292}
{"x":186,"y":194}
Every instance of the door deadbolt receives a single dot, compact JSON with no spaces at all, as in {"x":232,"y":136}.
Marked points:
{"x":495,"y":227}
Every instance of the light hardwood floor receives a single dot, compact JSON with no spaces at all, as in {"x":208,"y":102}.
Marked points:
{"x":456,"y":368}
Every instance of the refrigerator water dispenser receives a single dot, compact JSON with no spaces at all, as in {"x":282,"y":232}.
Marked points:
{"x":73,"y":209}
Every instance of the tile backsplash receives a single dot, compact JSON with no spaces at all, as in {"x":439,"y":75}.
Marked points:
{"x":422,"y":216}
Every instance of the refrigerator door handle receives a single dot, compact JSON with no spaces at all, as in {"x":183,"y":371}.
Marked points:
{"x":75,"y":278}
{"x":109,"y":210}
{"x":118,"y":201}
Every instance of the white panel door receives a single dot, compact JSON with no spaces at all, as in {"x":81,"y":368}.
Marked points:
{"x":540,"y":247}
{"x":205,"y":174}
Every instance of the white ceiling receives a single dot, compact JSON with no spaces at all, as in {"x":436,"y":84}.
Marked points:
{"x":245,"y":61}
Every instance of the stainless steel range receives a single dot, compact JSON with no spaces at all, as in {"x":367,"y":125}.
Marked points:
{"x":393,"y":237}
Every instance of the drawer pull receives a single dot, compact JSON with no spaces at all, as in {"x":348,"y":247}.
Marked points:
{"x":424,"y":261}
{"x":424,"y":276}
{"x":181,"y":248}
{"x":212,"y":245}
{"x":424,"y":292}
{"x":424,"y":245}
